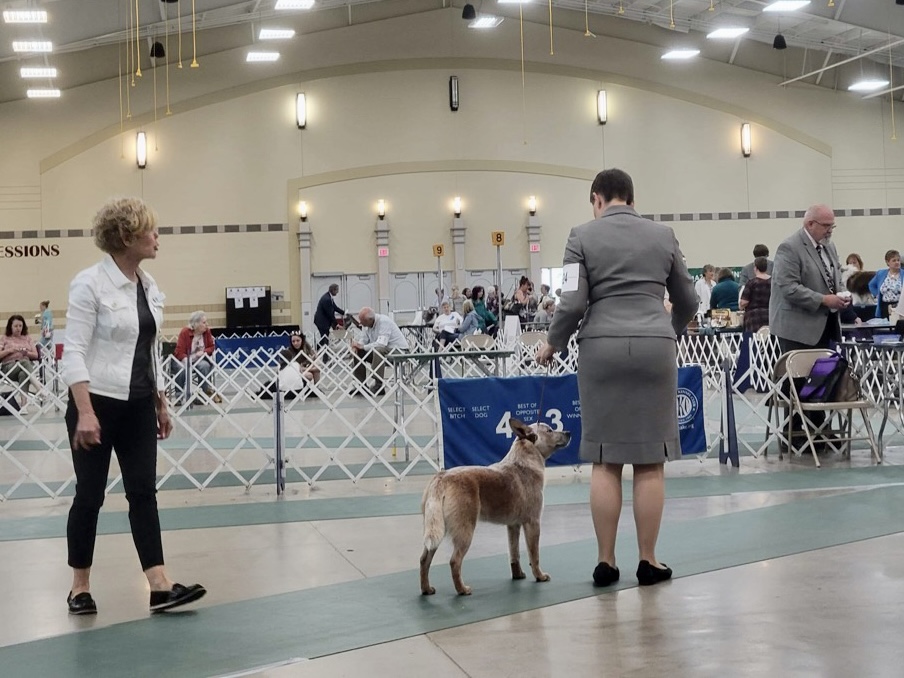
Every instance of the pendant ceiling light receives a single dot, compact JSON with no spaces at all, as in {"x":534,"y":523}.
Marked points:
{"x":469,"y":13}
{"x":779,"y":42}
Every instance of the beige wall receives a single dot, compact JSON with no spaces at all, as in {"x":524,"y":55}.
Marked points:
{"x":379,"y":126}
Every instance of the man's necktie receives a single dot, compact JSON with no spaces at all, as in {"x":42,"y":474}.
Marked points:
{"x":827,"y":271}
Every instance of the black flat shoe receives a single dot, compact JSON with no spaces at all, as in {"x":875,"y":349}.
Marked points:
{"x":81,"y":603}
{"x":605,"y":574}
{"x":648,"y":574}
{"x":179,"y":595}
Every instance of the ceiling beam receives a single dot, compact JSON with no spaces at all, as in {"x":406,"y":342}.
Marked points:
{"x":845,"y":61}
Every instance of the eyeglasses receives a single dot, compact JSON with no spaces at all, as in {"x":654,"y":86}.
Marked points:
{"x":831,"y":226}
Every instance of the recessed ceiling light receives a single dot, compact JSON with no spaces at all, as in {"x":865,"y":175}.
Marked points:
{"x":32,"y":46}
{"x":786,"y":5}
{"x":868,"y":85}
{"x":680,"y":54}
{"x":25,"y":16}
{"x":43,"y":94}
{"x":262,"y":56}
{"x":727,"y":33}
{"x":294,"y":4}
{"x":486,"y":22}
{"x":26,"y":72}
{"x":276,"y":34}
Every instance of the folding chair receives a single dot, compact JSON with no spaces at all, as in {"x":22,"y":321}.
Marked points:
{"x":526,"y":349}
{"x":477,"y":342}
{"x":798,"y":365}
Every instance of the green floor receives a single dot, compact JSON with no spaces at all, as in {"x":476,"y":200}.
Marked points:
{"x":289,"y":511}
{"x":317,"y":622}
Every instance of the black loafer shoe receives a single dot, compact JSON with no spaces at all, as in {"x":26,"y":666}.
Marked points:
{"x":81,"y":603}
{"x":179,"y":595}
{"x":648,"y":574}
{"x":605,"y":574}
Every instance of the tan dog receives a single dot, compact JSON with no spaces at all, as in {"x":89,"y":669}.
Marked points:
{"x":509,"y":492}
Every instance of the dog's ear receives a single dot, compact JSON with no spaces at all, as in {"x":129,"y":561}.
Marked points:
{"x":522,"y":430}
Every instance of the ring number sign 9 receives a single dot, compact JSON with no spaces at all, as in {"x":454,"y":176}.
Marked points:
{"x":554,"y":416}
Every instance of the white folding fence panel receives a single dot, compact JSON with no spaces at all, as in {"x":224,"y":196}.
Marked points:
{"x":336,"y":429}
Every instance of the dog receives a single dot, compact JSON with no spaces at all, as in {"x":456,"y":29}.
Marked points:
{"x":509,"y":492}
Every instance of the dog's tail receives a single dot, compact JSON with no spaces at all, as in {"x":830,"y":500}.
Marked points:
{"x":434,"y":521}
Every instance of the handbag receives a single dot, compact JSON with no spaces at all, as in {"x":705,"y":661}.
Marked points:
{"x":823,"y":380}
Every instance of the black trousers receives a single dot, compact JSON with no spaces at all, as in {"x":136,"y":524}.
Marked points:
{"x":130,"y":428}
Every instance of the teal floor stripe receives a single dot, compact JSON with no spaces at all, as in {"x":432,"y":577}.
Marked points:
{"x":228,"y":515}
{"x":322,"y":621}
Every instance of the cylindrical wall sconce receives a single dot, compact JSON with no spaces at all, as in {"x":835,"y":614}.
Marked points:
{"x":532,"y":205}
{"x":381,"y":208}
{"x":303,"y":210}
{"x":602,"y":113}
{"x":456,"y":206}
{"x":746,"y":146}
{"x":301,"y":110}
{"x":141,"y":150}
{"x":453,"y":92}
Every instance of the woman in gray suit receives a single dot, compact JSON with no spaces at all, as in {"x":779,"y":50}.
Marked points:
{"x":617,"y":269}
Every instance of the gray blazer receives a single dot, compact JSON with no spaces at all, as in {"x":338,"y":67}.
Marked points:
{"x":625,"y":265}
{"x":798,"y":285}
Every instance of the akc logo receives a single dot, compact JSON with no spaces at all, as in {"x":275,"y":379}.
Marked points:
{"x":687,"y":406}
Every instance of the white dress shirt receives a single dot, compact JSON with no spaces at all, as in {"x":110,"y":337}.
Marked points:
{"x":384,"y":333}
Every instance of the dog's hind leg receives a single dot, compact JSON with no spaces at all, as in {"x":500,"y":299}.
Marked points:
{"x":460,"y":545}
{"x":532,"y":537}
{"x":426,"y":559}
{"x":514,"y":536}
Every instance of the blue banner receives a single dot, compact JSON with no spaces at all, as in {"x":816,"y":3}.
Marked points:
{"x":475,"y":415}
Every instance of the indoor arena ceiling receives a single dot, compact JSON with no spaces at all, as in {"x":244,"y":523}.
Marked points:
{"x":87,"y":34}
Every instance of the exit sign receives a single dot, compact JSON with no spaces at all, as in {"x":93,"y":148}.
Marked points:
{"x":382,"y":251}
{"x":535,"y":247}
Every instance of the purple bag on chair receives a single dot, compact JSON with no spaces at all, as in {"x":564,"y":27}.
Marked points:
{"x":823,"y":379}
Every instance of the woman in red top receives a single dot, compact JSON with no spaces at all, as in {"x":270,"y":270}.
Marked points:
{"x":194,"y":349}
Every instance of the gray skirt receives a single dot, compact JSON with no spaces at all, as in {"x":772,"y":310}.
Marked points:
{"x":629,"y":411}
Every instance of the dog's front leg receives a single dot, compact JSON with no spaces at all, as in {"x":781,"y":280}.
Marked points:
{"x":532,"y":537}
{"x":514,"y":535}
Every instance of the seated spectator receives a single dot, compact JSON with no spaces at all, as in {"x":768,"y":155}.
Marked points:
{"x":381,"y":335}
{"x":725,"y":292}
{"x":544,"y":313}
{"x":755,"y":297}
{"x":445,"y":327}
{"x":17,"y":351}
{"x":491,"y":300}
{"x":489,"y":318}
{"x":194,"y":348}
{"x":886,"y":284}
{"x":472,"y":323}
{"x":299,"y":369}
{"x":544,"y":295}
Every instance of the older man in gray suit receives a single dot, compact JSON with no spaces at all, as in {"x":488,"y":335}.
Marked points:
{"x":804,"y":306}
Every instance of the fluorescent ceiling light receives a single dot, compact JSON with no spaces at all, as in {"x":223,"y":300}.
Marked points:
{"x":262,"y":56}
{"x":680,"y":54}
{"x":43,"y":94}
{"x":727,"y":33}
{"x":867,"y":85}
{"x":786,"y":5}
{"x":26,"y":72}
{"x":276,"y":34}
{"x":512,"y":2}
{"x":485,"y":22}
{"x":294,"y":4}
{"x":25,"y":16}
{"x":32,"y":46}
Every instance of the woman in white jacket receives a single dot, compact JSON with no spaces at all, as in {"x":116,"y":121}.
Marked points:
{"x":116,"y":398}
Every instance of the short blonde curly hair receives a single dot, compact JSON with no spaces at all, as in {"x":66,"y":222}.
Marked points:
{"x":121,"y":221}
